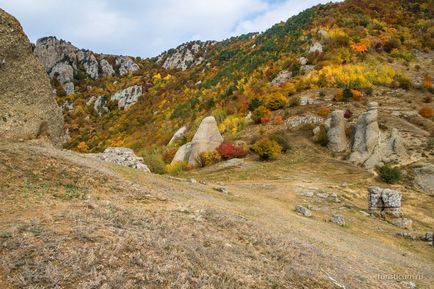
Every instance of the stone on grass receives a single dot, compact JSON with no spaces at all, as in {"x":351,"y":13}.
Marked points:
{"x":303,"y":211}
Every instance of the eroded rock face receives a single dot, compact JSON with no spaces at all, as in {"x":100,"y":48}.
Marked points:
{"x":124,"y":157}
{"x":27,"y":106}
{"x":126,"y":65}
{"x":207,"y":138}
{"x":106,"y":68}
{"x":64,"y":73}
{"x":50,"y":51}
{"x":185,"y":56}
{"x":371,"y":147}
{"x":336,"y":132}
{"x":128,"y":97}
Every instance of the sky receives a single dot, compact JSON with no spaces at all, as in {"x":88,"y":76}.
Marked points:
{"x":146,"y":28}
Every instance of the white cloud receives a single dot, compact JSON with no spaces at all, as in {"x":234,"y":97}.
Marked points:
{"x":146,"y":28}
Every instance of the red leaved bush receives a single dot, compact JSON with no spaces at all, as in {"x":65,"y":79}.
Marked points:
{"x":229,"y":151}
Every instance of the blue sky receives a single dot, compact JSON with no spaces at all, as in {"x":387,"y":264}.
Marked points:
{"x":146,"y":28}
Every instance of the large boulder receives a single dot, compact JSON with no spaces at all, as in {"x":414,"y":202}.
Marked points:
{"x":27,"y":106}
{"x":128,"y":97}
{"x":384,"y":202}
{"x":336,"y":132}
{"x":207,"y":138}
{"x":371,"y":146}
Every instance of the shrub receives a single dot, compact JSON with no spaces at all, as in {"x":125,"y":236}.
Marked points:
{"x":169,"y":154}
{"x":229,"y":151}
{"x":155,"y":162}
{"x":177,"y":167}
{"x":209,"y":158}
{"x":265,"y":120}
{"x":324,"y":111}
{"x":276,"y":101}
{"x":259,"y":113}
{"x":426,"y":112}
{"x":82,"y":147}
{"x":267,"y":149}
{"x":255,"y":103}
{"x":348,"y":114}
{"x":357,"y":95}
{"x":339,"y":95}
{"x":321,"y":138}
{"x":404,"y":82}
{"x":347,"y":94}
{"x":389,"y":175}
{"x":282,"y":139}
{"x":427,"y":82}
{"x":278,"y":120}
{"x":294,"y":101}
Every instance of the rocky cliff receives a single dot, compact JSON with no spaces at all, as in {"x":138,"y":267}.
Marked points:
{"x":27,"y":106}
{"x":67,"y":64}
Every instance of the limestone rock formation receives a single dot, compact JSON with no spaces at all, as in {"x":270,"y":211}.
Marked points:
{"x":128,"y":97}
{"x":371,"y":147}
{"x":178,"y":135}
{"x":336,"y":133}
{"x":53,"y":53}
{"x":27,"y":107}
{"x":126,"y":65}
{"x":207,"y":138}
{"x":185,"y":56}
{"x":316,"y":48}
{"x":123,"y":157}
{"x":99,"y":104}
{"x":383,"y":202}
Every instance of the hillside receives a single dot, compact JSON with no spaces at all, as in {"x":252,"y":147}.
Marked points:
{"x":300,"y":157}
{"x":334,"y":45}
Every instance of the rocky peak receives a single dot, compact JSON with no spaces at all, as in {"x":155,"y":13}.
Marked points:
{"x":65,"y":62}
{"x":185,"y":56}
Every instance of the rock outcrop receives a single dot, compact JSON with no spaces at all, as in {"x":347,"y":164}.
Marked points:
{"x":281,"y":78}
{"x":180,"y":133}
{"x":126,"y":65}
{"x":207,"y":138}
{"x":424,"y":177}
{"x":185,"y":56}
{"x":27,"y":106}
{"x":64,"y":61}
{"x":336,"y":132}
{"x":372,"y":147}
{"x":128,"y":97}
{"x":386,"y":203}
{"x":124,"y":157}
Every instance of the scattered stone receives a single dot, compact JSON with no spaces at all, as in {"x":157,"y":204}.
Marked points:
{"x":281,"y":78}
{"x":123,"y":157}
{"x":304,"y":211}
{"x":428,"y":237}
{"x":316,"y":48}
{"x":408,"y":285}
{"x":406,"y":235}
{"x":128,"y":97}
{"x":336,"y":133}
{"x":404,"y":223}
{"x":192,"y":181}
{"x":223,"y":190}
{"x":338,"y":220}
{"x":298,"y":121}
{"x":180,"y":133}
{"x":322,"y":195}
{"x":207,"y":138}
{"x":307,"y":194}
